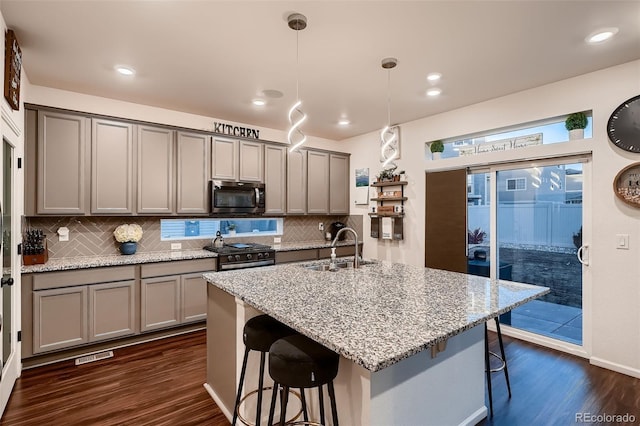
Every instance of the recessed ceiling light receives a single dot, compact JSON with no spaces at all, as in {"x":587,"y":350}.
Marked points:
{"x":272,"y":93}
{"x":124,"y":70}
{"x":434,"y":92}
{"x":601,"y":35}
{"x":259,"y":102}
{"x":434,"y":76}
{"x":344,"y":122}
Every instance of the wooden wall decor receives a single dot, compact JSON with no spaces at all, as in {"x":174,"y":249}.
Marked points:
{"x":626,"y":185}
{"x":12,"y":67}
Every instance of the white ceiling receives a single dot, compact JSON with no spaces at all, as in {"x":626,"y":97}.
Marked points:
{"x":213,"y":57}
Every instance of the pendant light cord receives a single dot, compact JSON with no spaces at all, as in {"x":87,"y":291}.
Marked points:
{"x":297,"y":66}
{"x":389,"y":97}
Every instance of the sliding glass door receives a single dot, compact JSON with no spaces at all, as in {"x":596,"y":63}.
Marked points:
{"x":533,"y":230}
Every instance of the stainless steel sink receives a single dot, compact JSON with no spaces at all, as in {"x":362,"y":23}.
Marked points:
{"x":327,"y":267}
{"x":338,"y":265}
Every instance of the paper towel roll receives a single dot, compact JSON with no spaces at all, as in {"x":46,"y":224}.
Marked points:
{"x":387,"y":228}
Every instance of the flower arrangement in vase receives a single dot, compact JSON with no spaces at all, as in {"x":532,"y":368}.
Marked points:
{"x":128,"y":236}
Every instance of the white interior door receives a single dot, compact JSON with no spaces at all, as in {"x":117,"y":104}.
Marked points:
{"x":9,"y":299}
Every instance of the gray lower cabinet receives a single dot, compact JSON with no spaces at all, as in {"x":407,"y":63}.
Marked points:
{"x":172,"y":293}
{"x":71,"y":316}
{"x":112,"y":164}
{"x":62,"y":163}
{"x":172,"y":300}
{"x":160,"y":302}
{"x":60,"y":318}
{"x":275,"y":175}
{"x":112,"y":309}
{"x":193,"y":152}
{"x":155,"y":170}
{"x":193,"y":297}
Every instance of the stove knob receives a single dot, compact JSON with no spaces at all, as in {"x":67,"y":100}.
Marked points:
{"x":259,"y":255}
{"x":266,"y":255}
{"x":230,"y":258}
{"x":237,"y":257}
{"x":249,"y":256}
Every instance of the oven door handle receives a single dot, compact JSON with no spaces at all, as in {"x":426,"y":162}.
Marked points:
{"x":230,"y":266}
{"x":257,"y":196}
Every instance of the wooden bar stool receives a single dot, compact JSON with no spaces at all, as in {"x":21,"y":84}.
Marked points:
{"x":299,"y":362}
{"x":258,"y":335}
{"x":487,"y":361}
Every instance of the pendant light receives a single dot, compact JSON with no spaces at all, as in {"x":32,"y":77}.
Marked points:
{"x":388,"y":137}
{"x":296,"y":138}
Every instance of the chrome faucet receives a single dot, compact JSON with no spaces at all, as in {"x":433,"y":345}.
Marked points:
{"x":356,"y":260}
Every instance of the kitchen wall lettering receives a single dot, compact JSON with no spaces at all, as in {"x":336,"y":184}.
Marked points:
{"x":228,"y":129}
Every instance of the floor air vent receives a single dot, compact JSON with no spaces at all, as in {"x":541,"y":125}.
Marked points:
{"x":95,"y":357}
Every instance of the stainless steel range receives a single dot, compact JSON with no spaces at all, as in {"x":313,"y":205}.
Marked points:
{"x":243,"y":255}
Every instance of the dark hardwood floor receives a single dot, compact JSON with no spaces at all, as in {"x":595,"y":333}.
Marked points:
{"x":551,"y":388}
{"x":157,"y":383}
{"x":160,"y":383}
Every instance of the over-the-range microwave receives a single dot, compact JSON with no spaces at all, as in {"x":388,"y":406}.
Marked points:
{"x":232,"y":198}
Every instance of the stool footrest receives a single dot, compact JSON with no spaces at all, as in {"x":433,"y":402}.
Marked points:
{"x":266,"y":388}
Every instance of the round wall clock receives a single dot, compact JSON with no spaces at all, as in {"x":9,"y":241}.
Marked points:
{"x":626,"y":185}
{"x":623,"y":127}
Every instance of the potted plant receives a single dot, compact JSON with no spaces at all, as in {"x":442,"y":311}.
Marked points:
{"x":575,"y":124}
{"x":232,"y":229}
{"x":385,"y":175}
{"x":436,"y":148}
{"x":128,"y":237}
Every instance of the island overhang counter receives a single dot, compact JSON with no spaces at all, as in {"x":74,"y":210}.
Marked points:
{"x":380,"y":318}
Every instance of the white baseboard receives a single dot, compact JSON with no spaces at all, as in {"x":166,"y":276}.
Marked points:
{"x":228,"y":414}
{"x":599,"y":362}
{"x":476,"y":417}
{"x":540,"y":340}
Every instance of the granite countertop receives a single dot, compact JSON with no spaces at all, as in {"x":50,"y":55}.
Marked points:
{"x":84,"y":262}
{"x":378,"y":314}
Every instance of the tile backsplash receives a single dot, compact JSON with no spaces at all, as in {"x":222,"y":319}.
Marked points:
{"x":93,"y":236}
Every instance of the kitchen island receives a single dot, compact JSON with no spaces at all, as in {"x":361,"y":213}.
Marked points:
{"x":380,"y":318}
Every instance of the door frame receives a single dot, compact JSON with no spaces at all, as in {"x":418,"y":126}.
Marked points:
{"x":586,"y":160}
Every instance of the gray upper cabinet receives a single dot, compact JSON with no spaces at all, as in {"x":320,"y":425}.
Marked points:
{"x":251,"y":161}
{"x":317,"y":182}
{"x":155,"y":170}
{"x":63,"y":164}
{"x":338,"y":184}
{"x":297,"y":182}
{"x":111,"y":167}
{"x":193,"y":152}
{"x":224,"y":159}
{"x":275,"y":173}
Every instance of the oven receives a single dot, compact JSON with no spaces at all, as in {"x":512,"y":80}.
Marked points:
{"x":233,"y":198}
{"x":242,"y":255}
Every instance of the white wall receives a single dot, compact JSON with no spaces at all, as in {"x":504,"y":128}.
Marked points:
{"x":614,"y":275}
{"x":47,"y":96}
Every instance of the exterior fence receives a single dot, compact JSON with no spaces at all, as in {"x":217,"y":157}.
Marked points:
{"x":531,"y":224}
